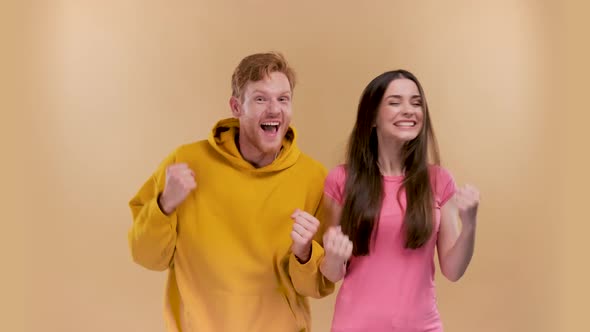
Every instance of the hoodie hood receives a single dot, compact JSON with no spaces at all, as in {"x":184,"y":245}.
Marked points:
{"x":222,"y":139}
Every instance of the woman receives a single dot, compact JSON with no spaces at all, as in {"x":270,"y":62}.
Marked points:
{"x":392,"y":205}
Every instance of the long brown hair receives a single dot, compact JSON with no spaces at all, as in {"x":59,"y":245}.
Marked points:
{"x":364,"y":184}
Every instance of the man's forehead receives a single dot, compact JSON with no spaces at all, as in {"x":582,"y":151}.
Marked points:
{"x":269,"y":85}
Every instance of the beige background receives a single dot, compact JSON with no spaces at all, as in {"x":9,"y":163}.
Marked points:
{"x":95,"y":93}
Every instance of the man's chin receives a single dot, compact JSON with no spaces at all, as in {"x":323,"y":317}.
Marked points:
{"x":271,"y":148}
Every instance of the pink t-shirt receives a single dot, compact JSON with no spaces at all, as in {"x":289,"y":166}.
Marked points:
{"x":391,"y":289}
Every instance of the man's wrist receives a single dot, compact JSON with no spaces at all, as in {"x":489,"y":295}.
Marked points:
{"x":305,"y":257}
{"x":162,"y":205}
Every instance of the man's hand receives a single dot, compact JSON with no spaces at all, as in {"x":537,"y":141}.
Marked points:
{"x":180,"y":181}
{"x":304,"y":228}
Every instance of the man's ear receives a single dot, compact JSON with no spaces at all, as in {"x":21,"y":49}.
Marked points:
{"x":236,"y":107}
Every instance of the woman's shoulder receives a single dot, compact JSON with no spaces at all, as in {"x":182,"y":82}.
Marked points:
{"x":443,"y":183}
{"x":439,"y":172}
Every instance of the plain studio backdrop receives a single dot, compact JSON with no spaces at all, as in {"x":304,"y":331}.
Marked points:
{"x":95,"y":93}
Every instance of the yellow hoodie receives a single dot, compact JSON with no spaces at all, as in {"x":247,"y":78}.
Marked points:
{"x":227,"y":247}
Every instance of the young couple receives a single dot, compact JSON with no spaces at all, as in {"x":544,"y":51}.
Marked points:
{"x":248,"y":227}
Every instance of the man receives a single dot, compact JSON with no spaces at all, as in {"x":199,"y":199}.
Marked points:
{"x":233,"y":218}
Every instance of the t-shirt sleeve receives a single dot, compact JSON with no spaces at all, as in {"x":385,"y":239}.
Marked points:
{"x":445,"y":185}
{"x":334,"y":184}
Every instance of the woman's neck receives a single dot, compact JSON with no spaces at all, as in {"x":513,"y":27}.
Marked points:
{"x":390,"y":158}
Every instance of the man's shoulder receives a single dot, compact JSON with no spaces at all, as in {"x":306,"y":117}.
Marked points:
{"x":311,"y":165}
{"x":191,"y":148}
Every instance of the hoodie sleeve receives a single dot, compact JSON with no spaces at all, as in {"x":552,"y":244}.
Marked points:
{"x":307,"y":278}
{"x":152,"y":237}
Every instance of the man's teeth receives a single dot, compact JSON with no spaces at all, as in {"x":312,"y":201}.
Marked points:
{"x":270,"y":123}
